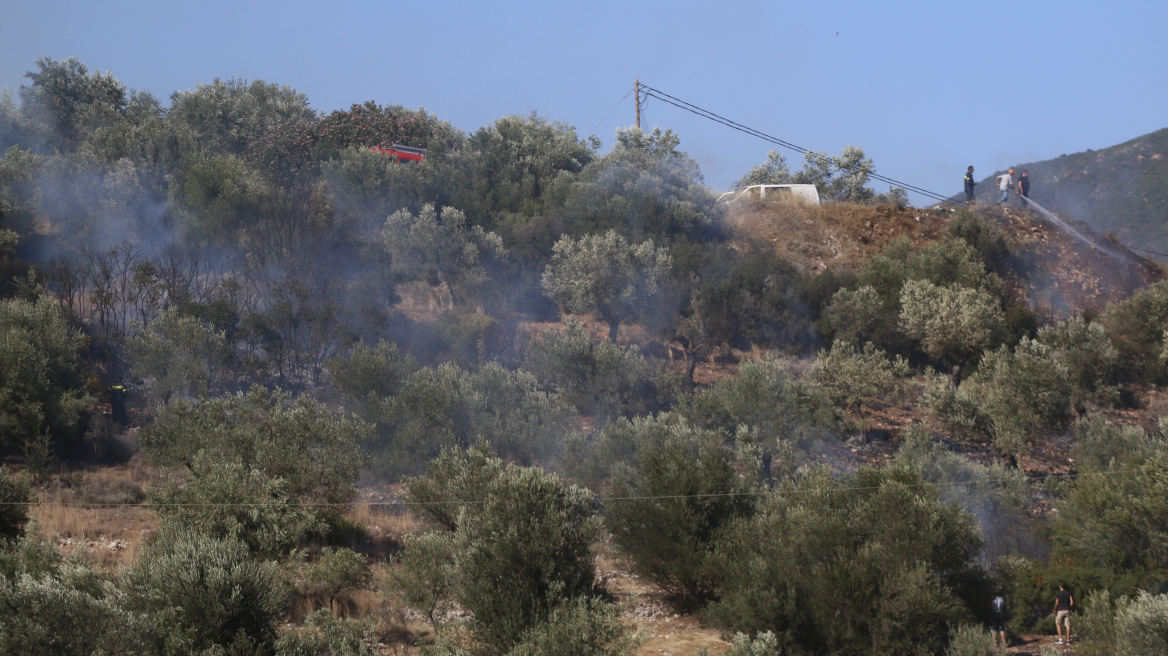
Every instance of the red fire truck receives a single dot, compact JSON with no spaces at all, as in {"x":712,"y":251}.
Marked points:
{"x":401,"y":152}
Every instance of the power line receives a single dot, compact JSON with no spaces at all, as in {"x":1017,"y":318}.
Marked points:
{"x":627,"y":94}
{"x":707,"y":114}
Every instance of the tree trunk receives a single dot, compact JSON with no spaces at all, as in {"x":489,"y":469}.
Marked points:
{"x":613,"y":327}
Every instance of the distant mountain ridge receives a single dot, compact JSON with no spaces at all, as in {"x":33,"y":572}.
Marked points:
{"x":1121,"y":190}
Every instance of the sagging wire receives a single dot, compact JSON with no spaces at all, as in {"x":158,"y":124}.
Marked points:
{"x":707,"y":114}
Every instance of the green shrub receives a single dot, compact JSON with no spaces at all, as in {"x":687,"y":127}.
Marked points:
{"x":952,"y":324}
{"x":41,"y":387}
{"x":1096,"y":623}
{"x":970,"y":640}
{"x":599,"y":378}
{"x":520,"y":546}
{"x":324,"y":634}
{"x":670,"y":495}
{"x":336,"y":571}
{"x":1090,"y":358}
{"x":1141,"y":626}
{"x":869,"y":563}
{"x":43,"y":616}
{"x":981,"y":233}
{"x":854,"y":315}
{"x":1100,"y":444}
{"x":447,"y":406}
{"x":764,"y":644}
{"x":202,"y":592}
{"x":585,"y":626}
{"x":765,"y":397}
{"x":852,"y":378}
{"x":15,"y":499}
{"x":313,"y":451}
{"x":1137,"y":327}
{"x":377,"y":370}
{"x":233,"y":501}
{"x":1019,"y":391}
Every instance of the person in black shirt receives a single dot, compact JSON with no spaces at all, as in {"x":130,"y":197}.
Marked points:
{"x":969,"y":185}
{"x":1064,"y":601}
{"x":1024,"y":185}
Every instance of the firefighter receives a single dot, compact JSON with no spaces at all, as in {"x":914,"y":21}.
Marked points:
{"x":117,"y":393}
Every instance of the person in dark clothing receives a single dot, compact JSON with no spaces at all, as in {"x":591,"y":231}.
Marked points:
{"x":117,"y":393}
{"x":1064,"y":602}
{"x":1024,"y":185}
{"x":969,"y":185}
{"x":998,"y":620}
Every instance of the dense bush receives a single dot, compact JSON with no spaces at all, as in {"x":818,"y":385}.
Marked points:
{"x":202,"y":592}
{"x":1019,"y":391}
{"x":768,"y":399}
{"x":870,"y":563}
{"x":45,"y":616}
{"x":1141,"y":626}
{"x":448,"y":406}
{"x":673,"y":488}
{"x":232,"y":501}
{"x":520,"y":545}
{"x":1090,"y":358}
{"x":15,"y":498}
{"x":302,"y":442}
{"x":41,"y":385}
{"x":852,"y":377}
{"x":600,"y":378}
{"x":1137,"y":326}
{"x":1116,"y":515}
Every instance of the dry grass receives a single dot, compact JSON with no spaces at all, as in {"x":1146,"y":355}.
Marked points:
{"x":840,"y":236}
{"x":97,"y":513}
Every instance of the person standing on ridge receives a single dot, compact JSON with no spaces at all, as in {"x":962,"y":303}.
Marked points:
{"x":1064,"y":602}
{"x":969,"y":185}
{"x":1005,"y":181}
{"x":998,"y":621}
{"x":1024,"y":186}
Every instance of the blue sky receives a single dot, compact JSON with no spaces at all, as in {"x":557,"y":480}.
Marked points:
{"x":926,"y":88}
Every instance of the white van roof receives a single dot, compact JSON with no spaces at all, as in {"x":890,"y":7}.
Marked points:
{"x":806,"y":193}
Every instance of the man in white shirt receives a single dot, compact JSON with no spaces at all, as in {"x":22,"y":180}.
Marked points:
{"x":1005,"y":181}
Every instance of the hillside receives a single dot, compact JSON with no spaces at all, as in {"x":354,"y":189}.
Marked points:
{"x":1058,"y":274}
{"x":1122,"y":189}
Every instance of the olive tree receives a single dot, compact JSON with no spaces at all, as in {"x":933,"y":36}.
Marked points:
{"x":951,"y":323}
{"x":852,"y":378}
{"x":863,"y":563}
{"x":605,"y":274}
{"x":301,"y":442}
{"x":520,"y":548}
{"x":179,"y":355}
{"x":439,"y":247}
{"x":41,"y":385}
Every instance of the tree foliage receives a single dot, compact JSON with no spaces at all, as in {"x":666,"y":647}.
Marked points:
{"x":41,"y":384}
{"x":605,"y":274}
{"x":870,"y":563}
{"x":521,"y":545}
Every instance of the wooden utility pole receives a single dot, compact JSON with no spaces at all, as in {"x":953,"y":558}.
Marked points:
{"x":637,"y":94}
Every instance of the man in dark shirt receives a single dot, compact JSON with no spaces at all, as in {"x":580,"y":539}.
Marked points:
{"x":1064,"y":601}
{"x":969,"y":185}
{"x":1024,"y":186}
